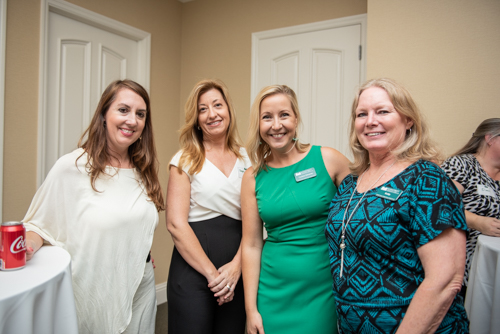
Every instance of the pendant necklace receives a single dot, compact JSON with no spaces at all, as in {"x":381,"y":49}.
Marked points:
{"x":344,"y":223}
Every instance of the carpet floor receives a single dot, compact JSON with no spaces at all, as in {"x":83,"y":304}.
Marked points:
{"x":162,"y":319}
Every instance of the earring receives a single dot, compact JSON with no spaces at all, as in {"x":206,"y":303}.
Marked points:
{"x":104,"y":123}
{"x":295,"y":138}
{"x":140,"y":138}
{"x":199,"y":127}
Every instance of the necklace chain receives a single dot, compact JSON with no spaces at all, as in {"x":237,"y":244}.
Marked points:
{"x":291,"y":148}
{"x":344,"y":223}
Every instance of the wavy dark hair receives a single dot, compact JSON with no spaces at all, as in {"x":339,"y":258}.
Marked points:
{"x":142,"y":152}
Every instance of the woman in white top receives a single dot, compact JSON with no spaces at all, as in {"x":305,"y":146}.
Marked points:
{"x":205,"y":293}
{"x":100,"y":203}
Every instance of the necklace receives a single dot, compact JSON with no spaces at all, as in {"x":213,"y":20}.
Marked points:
{"x":344,"y":223}
{"x":291,"y":148}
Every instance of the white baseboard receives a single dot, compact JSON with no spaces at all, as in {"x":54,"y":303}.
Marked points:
{"x":161,"y":293}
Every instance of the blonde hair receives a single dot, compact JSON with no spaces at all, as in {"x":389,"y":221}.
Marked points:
{"x":191,"y":136}
{"x":417,"y":143}
{"x":257,"y":149}
{"x":490,"y":126}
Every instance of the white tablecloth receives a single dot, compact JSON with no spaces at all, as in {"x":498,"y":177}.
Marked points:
{"x":482,"y":301}
{"x":39,"y":297}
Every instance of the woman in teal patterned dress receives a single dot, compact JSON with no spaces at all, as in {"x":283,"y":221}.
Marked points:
{"x":287,"y":280}
{"x":396,"y":226}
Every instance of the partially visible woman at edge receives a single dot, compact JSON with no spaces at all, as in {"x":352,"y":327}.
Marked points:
{"x":205,"y":292}
{"x":101,"y":203}
{"x":475,"y":170}
{"x":287,"y":280}
{"x":395,"y":228}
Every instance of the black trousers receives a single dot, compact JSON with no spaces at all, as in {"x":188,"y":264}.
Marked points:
{"x":192,"y":307}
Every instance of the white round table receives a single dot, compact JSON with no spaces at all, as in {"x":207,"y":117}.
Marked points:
{"x":39,"y":297}
{"x":482,"y":301}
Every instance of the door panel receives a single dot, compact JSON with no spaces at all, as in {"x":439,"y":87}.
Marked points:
{"x":323,"y":67}
{"x":82,"y":61}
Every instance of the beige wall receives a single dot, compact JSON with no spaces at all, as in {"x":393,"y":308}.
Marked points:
{"x":217,"y":39}
{"x":160,"y":18}
{"x":446,"y":52}
{"x":213,"y":39}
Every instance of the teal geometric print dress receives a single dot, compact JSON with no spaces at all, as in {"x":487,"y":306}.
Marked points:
{"x":382,"y":269}
{"x":295,"y":286}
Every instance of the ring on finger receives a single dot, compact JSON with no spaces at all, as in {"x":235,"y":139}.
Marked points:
{"x":229,"y":288}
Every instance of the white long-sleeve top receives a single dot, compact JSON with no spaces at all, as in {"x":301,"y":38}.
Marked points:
{"x":107,"y":233}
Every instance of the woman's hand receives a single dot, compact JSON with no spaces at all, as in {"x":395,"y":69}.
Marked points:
{"x":487,"y":225}
{"x":33,"y":244}
{"x":223,"y":286}
{"x":254,"y":323}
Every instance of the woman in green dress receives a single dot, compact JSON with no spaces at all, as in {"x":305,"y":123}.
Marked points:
{"x":287,"y":279}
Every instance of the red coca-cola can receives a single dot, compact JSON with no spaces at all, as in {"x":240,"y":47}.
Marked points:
{"x":12,"y":246}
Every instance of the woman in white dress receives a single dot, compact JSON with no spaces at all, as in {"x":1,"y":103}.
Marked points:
{"x":204,"y":290}
{"x":101,"y":203}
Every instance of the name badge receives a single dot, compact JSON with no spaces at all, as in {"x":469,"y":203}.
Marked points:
{"x":389,"y":193}
{"x":305,"y":174}
{"x":241,"y":171}
{"x":485,"y":191}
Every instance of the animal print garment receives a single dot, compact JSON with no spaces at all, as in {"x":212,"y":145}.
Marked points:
{"x":481,"y":195}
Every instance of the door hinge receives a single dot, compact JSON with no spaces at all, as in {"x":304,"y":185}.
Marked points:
{"x":360,"y":52}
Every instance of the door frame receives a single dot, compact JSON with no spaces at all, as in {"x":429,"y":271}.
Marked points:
{"x":305,"y":28}
{"x":3,"y":35}
{"x":86,"y":16}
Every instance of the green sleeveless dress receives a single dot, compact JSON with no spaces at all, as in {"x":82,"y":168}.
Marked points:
{"x":295,"y":286}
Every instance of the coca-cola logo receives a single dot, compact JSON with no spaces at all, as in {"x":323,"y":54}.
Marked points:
{"x":18,"y":245}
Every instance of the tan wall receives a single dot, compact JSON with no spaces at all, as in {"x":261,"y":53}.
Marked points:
{"x":217,"y":39}
{"x":160,"y":18}
{"x":213,"y":41}
{"x":446,"y":52}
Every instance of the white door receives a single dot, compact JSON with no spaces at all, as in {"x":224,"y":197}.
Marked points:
{"x":81,"y":61}
{"x":322,"y":63}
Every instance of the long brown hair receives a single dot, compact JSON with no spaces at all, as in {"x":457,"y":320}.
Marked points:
{"x":142,"y":153}
{"x":490,"y":126}
{"x":191,"y":136}
{"x":417,"y":143}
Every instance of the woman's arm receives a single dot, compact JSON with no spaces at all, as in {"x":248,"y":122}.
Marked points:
{"x":486,"y":225}
{"x":251,"y":248}
{"x":443,"y":260}
{"x":33,"y":243}
{"x":177,"y":211}
{"x":336,"y":164}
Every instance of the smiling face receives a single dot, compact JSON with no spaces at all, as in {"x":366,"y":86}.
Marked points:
{"x":379,"y":127}
{"x":125,"y":120}
{"x":278,"y":123}
{"x":213,"y":114}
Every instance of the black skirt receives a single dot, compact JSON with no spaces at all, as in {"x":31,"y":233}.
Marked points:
{"x":192,"y":307}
